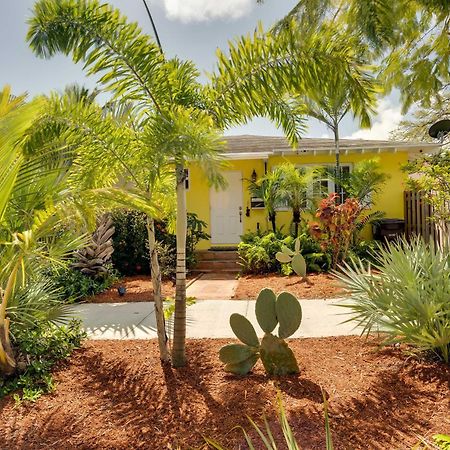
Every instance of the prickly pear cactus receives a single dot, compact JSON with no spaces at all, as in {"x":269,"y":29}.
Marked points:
{"x":295,"y":258}
{"x":271,"y":311}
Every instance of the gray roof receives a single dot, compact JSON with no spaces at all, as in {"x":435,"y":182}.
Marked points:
{"x":277,"y":144}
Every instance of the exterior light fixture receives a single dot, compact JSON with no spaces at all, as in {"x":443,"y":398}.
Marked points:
{"x":254,"y":176}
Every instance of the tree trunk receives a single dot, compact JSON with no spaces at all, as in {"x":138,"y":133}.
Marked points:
{"x":272,"y":219}
{"x":179,"y":329}
{"x":7,"y":360}
{"x":338,"y":162}
{"x":157,"y":297}
{"x":296,"y":220}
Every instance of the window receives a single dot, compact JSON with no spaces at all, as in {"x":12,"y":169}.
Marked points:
{"x":323,"y":186}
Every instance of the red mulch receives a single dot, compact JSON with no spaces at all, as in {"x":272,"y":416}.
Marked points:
{"x":139,"y":289}
{"x":320,"y":285}
{"x":116,"y":395}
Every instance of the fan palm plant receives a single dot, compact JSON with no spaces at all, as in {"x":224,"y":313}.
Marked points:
{"x":405,"y":295}
{"x":171,"y":102}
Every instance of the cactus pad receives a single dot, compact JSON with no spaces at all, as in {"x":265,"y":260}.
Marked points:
{"x":244,"y":367}
{"x":244,"y":330}
{"x":277,"y":357}
{"x":289,"y":314}
{"x":299,"y":265}
{"x":265,"y":310}
{"x":283,"y":258}
{"x":236,"y":353}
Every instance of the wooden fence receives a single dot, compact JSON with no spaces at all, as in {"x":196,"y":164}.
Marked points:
{"x":417,"y":217}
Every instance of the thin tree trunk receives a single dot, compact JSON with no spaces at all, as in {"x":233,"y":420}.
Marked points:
{"x":296,"y":220}
{"x":157,"y":297}
{"x":338,"y":161}
{"x":272,"y":218}
{"x":179,"y":328}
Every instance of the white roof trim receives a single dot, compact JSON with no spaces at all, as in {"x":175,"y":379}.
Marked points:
{"x":248,"y":155}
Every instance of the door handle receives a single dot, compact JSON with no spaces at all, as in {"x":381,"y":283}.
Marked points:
{"x":240,"y":214}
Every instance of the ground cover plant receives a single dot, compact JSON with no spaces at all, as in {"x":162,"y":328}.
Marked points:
{"x":406,"y":295}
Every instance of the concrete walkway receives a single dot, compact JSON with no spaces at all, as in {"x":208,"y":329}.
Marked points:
{"x":205,"y":319}
{"x":213,"y":286}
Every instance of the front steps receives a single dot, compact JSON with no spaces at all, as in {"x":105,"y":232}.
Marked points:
{"x":217,"y":261}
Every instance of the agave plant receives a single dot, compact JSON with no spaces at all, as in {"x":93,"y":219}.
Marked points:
{"x":406,"y":295}
{"x":294,"y":258}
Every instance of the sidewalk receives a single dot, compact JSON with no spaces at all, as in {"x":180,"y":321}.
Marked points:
{"x":205,"y":319}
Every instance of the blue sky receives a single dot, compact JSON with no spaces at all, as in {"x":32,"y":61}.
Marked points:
{"x":189,"y":29}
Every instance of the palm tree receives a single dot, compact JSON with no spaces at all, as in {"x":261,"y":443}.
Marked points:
{"x":407,"y":40}
{"x":268,"y":188}
{"x":167,"y":95}
{"x":294,"y":190}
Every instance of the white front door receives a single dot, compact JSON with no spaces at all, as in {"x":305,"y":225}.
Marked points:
{"x":226,"y":210}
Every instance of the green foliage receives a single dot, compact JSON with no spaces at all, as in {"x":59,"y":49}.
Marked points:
{"x":433,"y":177}
{"x":405,"y":295}
{"x":276,"y":356}
{"x":38,"y":350}
{"x":258,"y":253}
{"x":407,"y":39}
{"x":130,"y":243}
{"x":75,"y":286}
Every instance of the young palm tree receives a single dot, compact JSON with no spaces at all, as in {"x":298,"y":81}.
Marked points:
{"x":269,"y":189}
{"x":294,"y":190}
{"x":166,"y":92}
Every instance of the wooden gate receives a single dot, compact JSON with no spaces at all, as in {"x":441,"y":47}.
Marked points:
{"x":417,"y":217}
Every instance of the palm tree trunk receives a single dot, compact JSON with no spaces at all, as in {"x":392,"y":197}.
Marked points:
{"x":179,"y":328}
{"x":157,"y":297}
{"x":337,"y":152}
{"x":296,"y":220}
{"x":272,"y":219}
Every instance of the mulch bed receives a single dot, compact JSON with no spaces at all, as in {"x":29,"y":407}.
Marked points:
{"x":139,"y":289}
{"x":319,"y":286}
{"x":116,"y":395}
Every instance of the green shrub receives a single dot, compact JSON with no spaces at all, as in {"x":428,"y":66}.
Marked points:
{"x":38,"y":349}
{"x":257,"y":253}
{"x":130,"y":255}
{"x":407,"y":295}
{"x":75,"y":286}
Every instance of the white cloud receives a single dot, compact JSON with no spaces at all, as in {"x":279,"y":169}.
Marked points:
{"x":204,"y":10}
{"x":385,"y":121}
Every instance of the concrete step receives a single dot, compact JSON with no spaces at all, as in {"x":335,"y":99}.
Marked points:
{"x":217,"y":266}
{"x":208,"y":255}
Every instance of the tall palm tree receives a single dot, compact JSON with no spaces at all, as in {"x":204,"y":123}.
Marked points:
{"x":167,"y":94}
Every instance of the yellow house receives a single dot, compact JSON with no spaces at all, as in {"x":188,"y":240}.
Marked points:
{"x":232,"y":212}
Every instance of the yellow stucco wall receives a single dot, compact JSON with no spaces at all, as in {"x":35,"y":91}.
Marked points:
{"x":390,"y":200}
